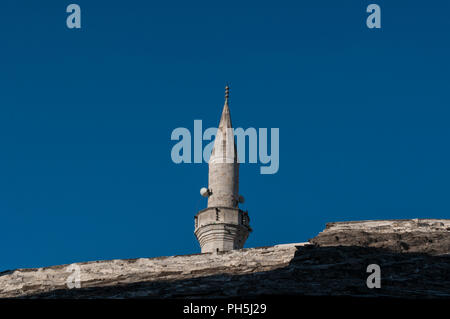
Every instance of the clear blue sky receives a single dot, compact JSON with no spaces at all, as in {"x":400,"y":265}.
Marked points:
{"x":86,"y":117}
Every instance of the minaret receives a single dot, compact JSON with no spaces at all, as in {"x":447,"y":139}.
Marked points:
{"x":222,"y":225}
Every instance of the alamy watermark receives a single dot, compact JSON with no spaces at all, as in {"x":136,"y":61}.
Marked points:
{"x":374,"y":279}
{"x":374,"y":19}
{"x":74,"y":279}
{"x":258,"y":146}
{"x":73,"y":20}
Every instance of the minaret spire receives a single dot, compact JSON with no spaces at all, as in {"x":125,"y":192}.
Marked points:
{"x":224,"y":150}
{"x":225,"y":120}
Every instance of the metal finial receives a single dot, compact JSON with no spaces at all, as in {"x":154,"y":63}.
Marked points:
{"x":227,"y":92}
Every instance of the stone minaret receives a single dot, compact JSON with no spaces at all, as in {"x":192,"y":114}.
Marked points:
{"x":222,"y":225}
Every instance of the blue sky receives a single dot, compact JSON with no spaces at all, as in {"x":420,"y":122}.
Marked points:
{"x":86,"y":117}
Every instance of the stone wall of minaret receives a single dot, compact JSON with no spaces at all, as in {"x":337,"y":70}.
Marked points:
{"x":222,"y":225}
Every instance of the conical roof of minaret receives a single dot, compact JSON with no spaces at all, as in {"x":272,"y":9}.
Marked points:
{"x":224,"y":146}
{"x":225,"y":119}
